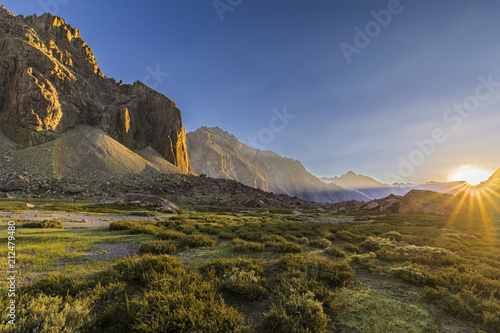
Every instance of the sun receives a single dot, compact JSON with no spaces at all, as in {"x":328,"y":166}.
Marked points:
{"x":471,"y":175}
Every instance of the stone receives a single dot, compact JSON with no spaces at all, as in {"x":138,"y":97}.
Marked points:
{"x":13,"y":185}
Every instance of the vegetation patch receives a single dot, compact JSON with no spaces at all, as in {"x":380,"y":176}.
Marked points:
{"x":158,"y":247}
{"x":47,"y":224}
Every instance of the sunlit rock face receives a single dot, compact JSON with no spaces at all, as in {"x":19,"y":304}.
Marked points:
{"x":220,"y":154}
{"x":50,"y":82}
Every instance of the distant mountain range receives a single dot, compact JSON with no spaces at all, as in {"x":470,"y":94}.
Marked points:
{"x":219,"y":154}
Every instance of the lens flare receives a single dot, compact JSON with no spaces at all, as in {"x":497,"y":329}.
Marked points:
{"x":473,"y":176}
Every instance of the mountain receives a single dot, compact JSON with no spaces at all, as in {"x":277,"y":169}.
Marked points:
{"x":354,"y":180}
{"x":494,"y":181}
{"x":219,"y":154}
{"x":364,"y":184}
{"x":50,"y":83}
{"x":376,"y":190}
{"x":83,"y":152}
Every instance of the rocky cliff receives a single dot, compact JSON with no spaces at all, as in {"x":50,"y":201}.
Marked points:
{"x":219,"y":154}
{"x":50,"y":82}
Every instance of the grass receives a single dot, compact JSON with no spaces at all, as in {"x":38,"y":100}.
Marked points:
{"x":261,"y":272}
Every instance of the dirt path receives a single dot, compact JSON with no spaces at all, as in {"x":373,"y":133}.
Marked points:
{"x":76,"y":220}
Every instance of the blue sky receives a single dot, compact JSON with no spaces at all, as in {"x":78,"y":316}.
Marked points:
{"x":285,"y":55}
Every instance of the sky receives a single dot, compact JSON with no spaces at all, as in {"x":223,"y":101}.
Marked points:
{"x":402,"y":91}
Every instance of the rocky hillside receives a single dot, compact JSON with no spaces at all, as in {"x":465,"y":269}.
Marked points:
{"x":50,"y":83}
{"x":219,"y":154}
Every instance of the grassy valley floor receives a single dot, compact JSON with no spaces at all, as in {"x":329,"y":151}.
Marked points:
{"x":248,"y":272}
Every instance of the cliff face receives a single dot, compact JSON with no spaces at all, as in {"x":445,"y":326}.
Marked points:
{"x":50,"y":82}
{"x":219,"y":154}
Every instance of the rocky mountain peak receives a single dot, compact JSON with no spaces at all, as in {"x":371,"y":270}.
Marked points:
{"x":50,"y":82}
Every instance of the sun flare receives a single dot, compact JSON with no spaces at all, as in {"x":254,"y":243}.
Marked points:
{"x":471,"y":175}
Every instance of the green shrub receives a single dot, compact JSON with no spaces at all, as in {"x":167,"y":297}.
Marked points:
{"x":320,"y":243}
{"x":273,"y":240}
{"x":288,"y":247}
{"x":147,"y":229}
{"x":411,"y":274}
{"x":122,"y":225}
{"x":376,"y":243}
{"x":245,"y":283}
{"x":335,"y":252}
{"x":345,"y":235}
{"x":240,"y":245}
{"x":140,"y":269}
{"x":198,"y":240}
{"x":170,"y":235}
{"x":393,"y":235}
{"x":136,"y":227}
{"x":187,"y":304}
{"x":225,"y":234}
{"x":158,"y":247}
{"x":253,"y":234}
{"x":299,"y":240}
{"x":350,"y":247}
{"x":292,"y":282}
{"x":491,"y":321}
{"x":222,"y":266}
{"x":334,"y":274}
{"x":55,"y":285}
{"x":300,"y":313}
{"x":47,"y":224}
{"x":48,"y":314}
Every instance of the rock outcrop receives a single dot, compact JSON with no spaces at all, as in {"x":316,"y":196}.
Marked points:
{"x":220,"y":154}
{"x":50,"y":82}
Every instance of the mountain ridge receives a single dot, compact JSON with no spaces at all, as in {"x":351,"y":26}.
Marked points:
{"x":219,"y":154}
{"x":51,"y":83}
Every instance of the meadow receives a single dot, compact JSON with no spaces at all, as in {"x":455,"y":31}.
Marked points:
{"x":221,"y":271}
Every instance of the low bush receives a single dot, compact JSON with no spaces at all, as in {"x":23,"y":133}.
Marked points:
{"x":186,"y":304}
{"x":122,"y":225}
{"x":298,"y":313}
{"x":411,"y":274}
{"x":222,"y":266}
{"x":345,"y":235}
{"x":273,"y":240}
{"x":335,"y":252}
{"x":240,"y":245}
{"x":350,"y":247}
{"x":140,"y":269}
{"x":47,"y":224}
{"x":136,"y":227}
{"x":49,"y":314}
{"x":55,"y":285}
{"x":288,"y":247}
{"x":158,"y":247}
{"x":198,"y":240}
{"x":170,"y":235}
{"x":393,"y":235}
{"x":245,"y":283}
{"x":334,"y":274}
{"x":250,"y":234}
{"x":320,"y":243}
